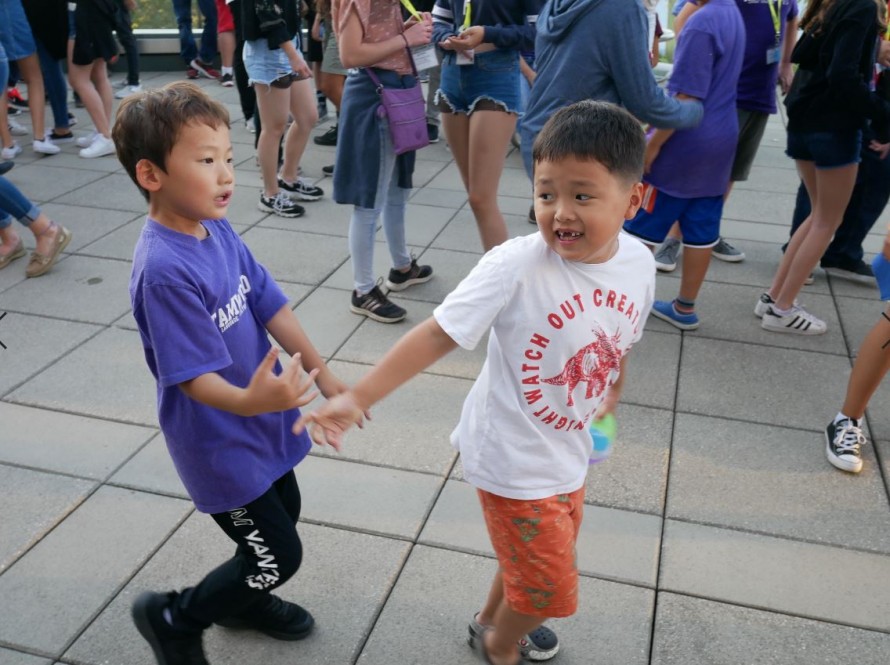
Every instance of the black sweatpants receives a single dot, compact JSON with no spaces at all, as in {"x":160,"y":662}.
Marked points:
{"x":268,"y":553}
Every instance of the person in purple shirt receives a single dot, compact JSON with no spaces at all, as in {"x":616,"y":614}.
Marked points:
{"x":686,"y":171}
{"x":204,"y":308}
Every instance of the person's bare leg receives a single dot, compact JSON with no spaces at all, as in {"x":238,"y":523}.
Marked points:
{"x":501,"y":643}
{"x":871,"y":366}
{"x":99,"y":77}
{"x":494,"y":600}
{"x":42,"y":228}
{"x":5,"y":135}
{"x":226,"y":44}
{"x":272,"y":107}
{"x":457,"y":134}
{"x":695,"y":266}
{"x":79,"y":76}
{"x":332,"y":88}
{"x":305,"y":112}
{"x":489,"y":137}
{"x":832,"y":194}
{"x":674,"y":232}
{"x":29,"y":68}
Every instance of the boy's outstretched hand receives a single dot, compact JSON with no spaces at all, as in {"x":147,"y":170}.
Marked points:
{"x":268,"y":392}
{"x":332,"y":420}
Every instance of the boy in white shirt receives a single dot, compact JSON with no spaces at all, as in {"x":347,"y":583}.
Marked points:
{"x":564,"y":306}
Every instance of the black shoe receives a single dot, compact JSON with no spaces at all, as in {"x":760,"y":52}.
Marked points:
{"x":301,"y":190}
{"x":328,"y":170}
{"x":275,"y":617}
{"x":6,"y":166}
{"x":170,"y":646}
{"x":60,"y":138}
{"x":843,"y":444}
{"x":329,"y":138}
{"x":399,"y":281}
{"x":859,"y":272}
{"x":432,"y":132}
{"x":532,"y":219}
{"x":376,"y":306}
{"x":280,"y":205}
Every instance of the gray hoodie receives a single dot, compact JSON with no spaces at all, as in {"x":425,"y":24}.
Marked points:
{"x":597,"y":49}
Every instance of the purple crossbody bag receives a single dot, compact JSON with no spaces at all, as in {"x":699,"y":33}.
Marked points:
{"x":405,"y":110}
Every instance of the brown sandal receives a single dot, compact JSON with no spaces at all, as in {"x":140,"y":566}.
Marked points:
{"x":40,"y":264}
{"x":16,"y":253}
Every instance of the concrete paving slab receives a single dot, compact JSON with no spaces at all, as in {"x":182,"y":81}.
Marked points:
{"x":747,"y":371}
{"x":442,"y":198}
{"x":449,"y":269}
{"x":415,"y":624}
{"x":342,"y":277}
{"x":63,"y":443}
{"x":778,"y":482}
{"x":878,"y":416}
{"x":325,"y":317}
{"x":858,"y":316}
{"x":844,"y":288}
{"x":769,"y":179}
{"x":294,"y":256}
{"x":99,"y":282}
{"x":42,"y":182}
{"x":371,"y":499}
{"x":745,"y":230}
{"x":635,"y":475}
{"x":67,"y":591}
{"x":342,"y":590}
{"x":117,"y":244}
{"x":22,"y":359}
{"x":88,"y":224}
{"x":462,"y":234}
{"x":652,"y":371}
{"x":368,"y":344}
{"x":773,"y":155}
{"x":411,"y":427}
{"x":116,"y":192}
{"x":151,"y":469}
{"x":106,"y":377}
{"x":10,"y":657}
{"x":694,"y":630}
{"x":33,"y":503}
{"x":766,"y":207}
{"x":69,"y":159}
{"x":613,"y":544}
{"x":775,"y":574}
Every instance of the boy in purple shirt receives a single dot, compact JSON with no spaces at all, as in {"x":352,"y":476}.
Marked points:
{"x":687,"y":170}
{"x":204,"y":307}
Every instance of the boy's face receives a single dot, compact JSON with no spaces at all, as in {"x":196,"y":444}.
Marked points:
{"x":199,"y":180}
{"x":581,"y":207}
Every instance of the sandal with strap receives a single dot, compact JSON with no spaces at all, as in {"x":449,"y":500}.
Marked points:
{"x":40,"y":264}
{"x":16,"y":253}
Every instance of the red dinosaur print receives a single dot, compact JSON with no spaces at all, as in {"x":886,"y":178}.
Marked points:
{"x":594,"y":364}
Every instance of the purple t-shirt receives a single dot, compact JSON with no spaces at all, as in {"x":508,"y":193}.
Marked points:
{"x":201,"y":306}
{"x":757,"y":82}
{"x":696,"y":162}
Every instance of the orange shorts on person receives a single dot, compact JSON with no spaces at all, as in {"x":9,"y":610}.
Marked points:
{"x":535,"y":545}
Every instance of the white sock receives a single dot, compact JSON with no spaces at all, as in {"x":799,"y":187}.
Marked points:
{"x":840,"y":416}
{"x":228,"y":70}
{"x":781,"y":312}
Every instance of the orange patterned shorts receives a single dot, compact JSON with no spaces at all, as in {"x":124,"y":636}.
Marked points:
{"x":535,"y":545}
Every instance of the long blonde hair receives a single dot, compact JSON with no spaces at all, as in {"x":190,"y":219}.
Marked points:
{"x":813,"y":19}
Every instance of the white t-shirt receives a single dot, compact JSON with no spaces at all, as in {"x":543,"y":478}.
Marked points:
{"x":558,"y":330}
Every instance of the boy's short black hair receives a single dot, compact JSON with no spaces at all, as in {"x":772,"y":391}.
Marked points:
{"x":594,"y":131}
{"x":149,"y":123}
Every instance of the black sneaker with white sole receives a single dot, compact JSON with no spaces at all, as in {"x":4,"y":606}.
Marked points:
{"x":399,"y":281}
{"x":280,"y":205}
{"x":859,"y":272}
{"x":843,"y":444}
{"x":301,"y":189}
{"x":170,"y":646}
{"x":273,"y":616}
{"x":376,"y":306}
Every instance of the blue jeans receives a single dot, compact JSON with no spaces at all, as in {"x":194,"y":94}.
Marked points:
{"x":187,"y":47}
{"x":391,"y":201}
{"x":870,"y":195}
{"x":56,"y":88}
{"x":13,"y":204}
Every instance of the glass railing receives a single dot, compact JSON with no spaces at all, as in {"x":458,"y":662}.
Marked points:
{"x":158,"y":14}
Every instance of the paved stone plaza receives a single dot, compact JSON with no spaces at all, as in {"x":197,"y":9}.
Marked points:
{"x":717,"y":532}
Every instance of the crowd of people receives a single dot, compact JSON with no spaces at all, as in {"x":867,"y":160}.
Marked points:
{"x":624,"y":175}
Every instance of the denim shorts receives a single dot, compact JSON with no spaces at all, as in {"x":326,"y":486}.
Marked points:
{"x":699,"y":218}
{"x":493,"y":76}
{"x":263,"y":64}
{"x":827,"y":150}
{"x":16,"y":33}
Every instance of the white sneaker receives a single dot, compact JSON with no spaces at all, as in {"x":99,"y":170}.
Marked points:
{"x":11,"y":151}
{"x":87,"y":140}
{"x":45,"y":147}
{"x":797,"y":322}
{"x":17,"y":129}
{"x":128,"y":90}
{"x":100,"y":147}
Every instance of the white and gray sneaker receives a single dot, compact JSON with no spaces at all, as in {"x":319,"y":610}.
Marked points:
{"x":280,"y":205}
{"x":666,"y":256}
{"x":726,"y":252}
{"x":798,"y":321}
{"x":301,"y":189}
{"x":100,"y":147}
{"x":17,"y":129}
{"x":538,"y":645}
{"x":86,"y":140}
{"x":843,"y":443}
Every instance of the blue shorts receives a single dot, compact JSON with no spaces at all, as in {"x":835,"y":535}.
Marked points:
{"x":699,"y":218}
{"x":16,"y":34}
{"x":828,"y":150}
{"x":493,"y":77}
{"x":263,"y":64}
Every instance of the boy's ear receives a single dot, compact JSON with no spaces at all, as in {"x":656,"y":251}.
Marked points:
{"x":635,"y":200}
{"x":148,"y":175}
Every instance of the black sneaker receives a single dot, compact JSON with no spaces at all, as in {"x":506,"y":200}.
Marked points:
{"x":329,"y":138}
{"x":170,"y":646}
{"x":859,"y":272}
{"x":60,"y":138}
{"x":301,"y":190}
{"x":376,"y":306}
{"x":843,"y":441}
{"x":432,"y":132}
{"x":328,"y":170}
{"x":227,"y":80}
{"x":275,"y":617}
{"x":399,"y":281}
{"x":280,"y":205}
